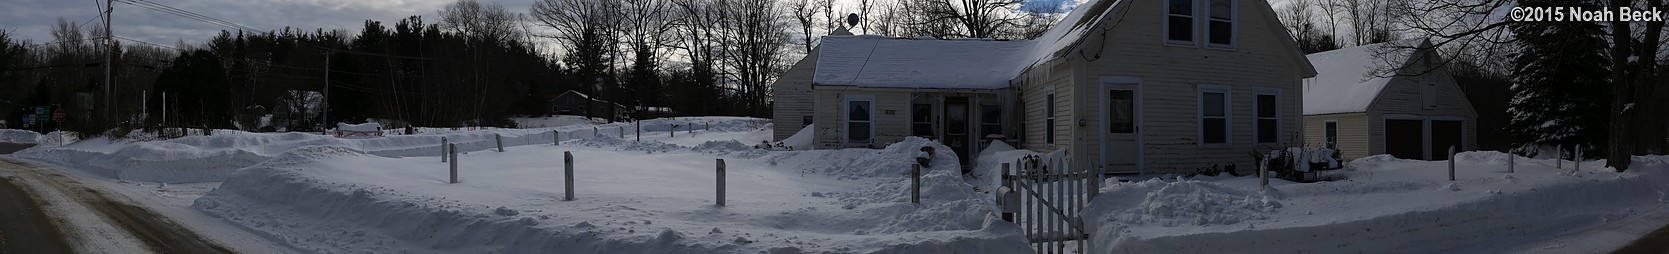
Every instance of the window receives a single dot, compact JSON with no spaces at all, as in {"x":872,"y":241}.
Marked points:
{"x":859,"y":124}
{"x":1179,"y":21}
{"x":1121,"y":112}
{"x":990,"y":120}
{"x":1332,"y":134}
{"x":1268,"y":125}
{"x":1214,"y":115}
{"x":921,"y":120}
{"x":1049,"y":116}
{"x":1220,"y":24}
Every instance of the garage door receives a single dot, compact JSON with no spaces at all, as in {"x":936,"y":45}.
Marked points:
{"x":1443,"y":135}
{"x":1404,"y":139}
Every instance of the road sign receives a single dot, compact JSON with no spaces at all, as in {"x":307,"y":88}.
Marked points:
{"x":58,"y":115}
{"x":28,"y":119}
{"x":40,"y":113}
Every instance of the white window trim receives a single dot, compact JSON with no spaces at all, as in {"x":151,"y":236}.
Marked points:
{"x":1234,"y":25}
{"x":1165,"y":11}
{"x":846,"y":118}
{"x":1228,"y":114}
{"x":1049,"y":116}
{"x":1256,"y":91}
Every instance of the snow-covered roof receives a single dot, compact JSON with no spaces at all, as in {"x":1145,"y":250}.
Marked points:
{"x":581,"y":95}
{"x":1347,"y":80}
{"x":879,"y":61}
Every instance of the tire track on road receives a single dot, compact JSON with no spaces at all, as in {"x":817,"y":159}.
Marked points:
{"x":157,"y":232}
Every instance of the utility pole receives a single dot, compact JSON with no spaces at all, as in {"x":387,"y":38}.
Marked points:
{"x":325,"y":107}
{"x":109,"y":60}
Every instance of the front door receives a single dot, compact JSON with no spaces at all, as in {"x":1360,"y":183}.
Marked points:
{"x":956,"y":127}
{"x":1121,"y":127}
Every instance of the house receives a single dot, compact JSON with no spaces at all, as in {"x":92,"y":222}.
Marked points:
{"x":1131,"y":86}
{"x":1390,"y":98}
{"x":575,"y":103}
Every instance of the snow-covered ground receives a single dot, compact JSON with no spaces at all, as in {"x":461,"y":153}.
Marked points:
{"x":320,"y":194}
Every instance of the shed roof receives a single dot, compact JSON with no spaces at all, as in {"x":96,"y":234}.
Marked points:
{"x":1347,"y":80}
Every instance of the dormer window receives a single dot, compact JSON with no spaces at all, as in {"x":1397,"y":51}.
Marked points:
{"x":1220,"y":24}
{"x":1179,"y":21}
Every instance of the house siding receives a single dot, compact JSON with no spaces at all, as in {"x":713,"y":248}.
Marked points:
{"x":1261,"y":58}
{"x":1034,"y":91}
{"x":1352,"y":133}
{"x":792,"y":96}
{"x":1402,"y":96}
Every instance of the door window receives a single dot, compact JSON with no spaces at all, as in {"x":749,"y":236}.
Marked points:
{"x":1121,"y":111}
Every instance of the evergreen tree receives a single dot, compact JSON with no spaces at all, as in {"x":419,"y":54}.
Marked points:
{"x":1561,"y":86}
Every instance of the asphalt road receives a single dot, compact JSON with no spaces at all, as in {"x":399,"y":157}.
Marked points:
{"x":1655,"y":242}
{"x":8,"y":148}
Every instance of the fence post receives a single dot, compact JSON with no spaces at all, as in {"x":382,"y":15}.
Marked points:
{"x":568,"y":176}
{"x":1559,"y":157}
{"x":453,"y":150}
{"x":1576,"y":162}
{"x":672,"y":130}
{"x":499,"y":139}
{"x":1451,"y":163}
{"x":639,"y":130}
{"x":622,"y":131}
{"x":1003,"y":202}
{"x":720,"y":178}
{"x":1510,"y":162}
{"x":556,"y":137}
{"x":443,"y":149}
{"x":915,"y":183}
{"x":1263,"y":173}
{"x":594,"y":133}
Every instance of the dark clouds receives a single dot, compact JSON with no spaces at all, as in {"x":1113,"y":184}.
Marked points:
{"x":33,"y":19}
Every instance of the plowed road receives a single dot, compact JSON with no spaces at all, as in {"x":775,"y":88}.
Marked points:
{"x":42,"y":210}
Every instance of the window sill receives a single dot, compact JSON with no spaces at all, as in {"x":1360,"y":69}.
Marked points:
{"x":1190,"y":44}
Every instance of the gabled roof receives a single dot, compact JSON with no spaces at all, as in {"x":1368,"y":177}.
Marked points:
{"x":1349,"y":79}
{"x":581,"y":95}
{"x":879,"y":61}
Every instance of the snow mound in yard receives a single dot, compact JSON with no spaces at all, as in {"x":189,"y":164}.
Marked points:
{"x":894,"y":160}
{"x":330,"y":199}
{"x":1384,"y":205}
{"x":801,"y":140}
{"x":18,"y":136}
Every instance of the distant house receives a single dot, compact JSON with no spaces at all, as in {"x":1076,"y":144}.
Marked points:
{"x":1390,"y":98}
{"x":1131,"y":86}
{"x":575,"y":103}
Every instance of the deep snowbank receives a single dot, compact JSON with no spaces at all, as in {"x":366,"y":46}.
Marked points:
{"x":1387,"y":205}
{"x":634,"y":197}
{"x":211,"y":158}
{"x":18,"y":136}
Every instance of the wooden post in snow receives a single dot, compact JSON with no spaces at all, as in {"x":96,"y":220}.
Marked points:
{"x":1559,"y":157}
{"x":915,"y":183}
{"x":452,"y":149}
{"x":1263,"y":173}
{"x":1510,"y":162}
{"x":639,"y":130}
{"x":556,"y":137}
{"x":594,"y":133}
{"x":1451,"y":163}
{"x":443,"y":149}
{"x":720,"y":178}
{"x":1576,"y":162}
{"x":499,"y":139}
{"x":568,"y":176}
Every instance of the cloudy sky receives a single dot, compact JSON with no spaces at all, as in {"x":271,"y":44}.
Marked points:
{"x":33,"y":19}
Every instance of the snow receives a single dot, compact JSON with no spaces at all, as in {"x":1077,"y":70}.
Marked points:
{"x":554,"y":121}
{"x":19,"y":136}
{"x":1385,"y":205}
{"x":389,"y":194}
{"x":1349,"y":79}
{"x":879,"y":61}
{"x":364,"y":127}
{"x":801,"y":139}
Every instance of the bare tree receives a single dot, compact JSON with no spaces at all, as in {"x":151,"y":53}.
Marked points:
{"x":756,"y":34}
{"x":587,"y":30}
{"x":805,"y":13}
{"x":1299,"y":19}
{"x":971,"y":18}
{"x":491,"y":22}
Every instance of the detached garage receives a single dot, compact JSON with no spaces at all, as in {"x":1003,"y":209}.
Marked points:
{"x":1390,"y":98}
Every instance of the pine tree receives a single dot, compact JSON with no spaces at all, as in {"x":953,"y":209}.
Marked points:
{"x":1561,"y":86}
